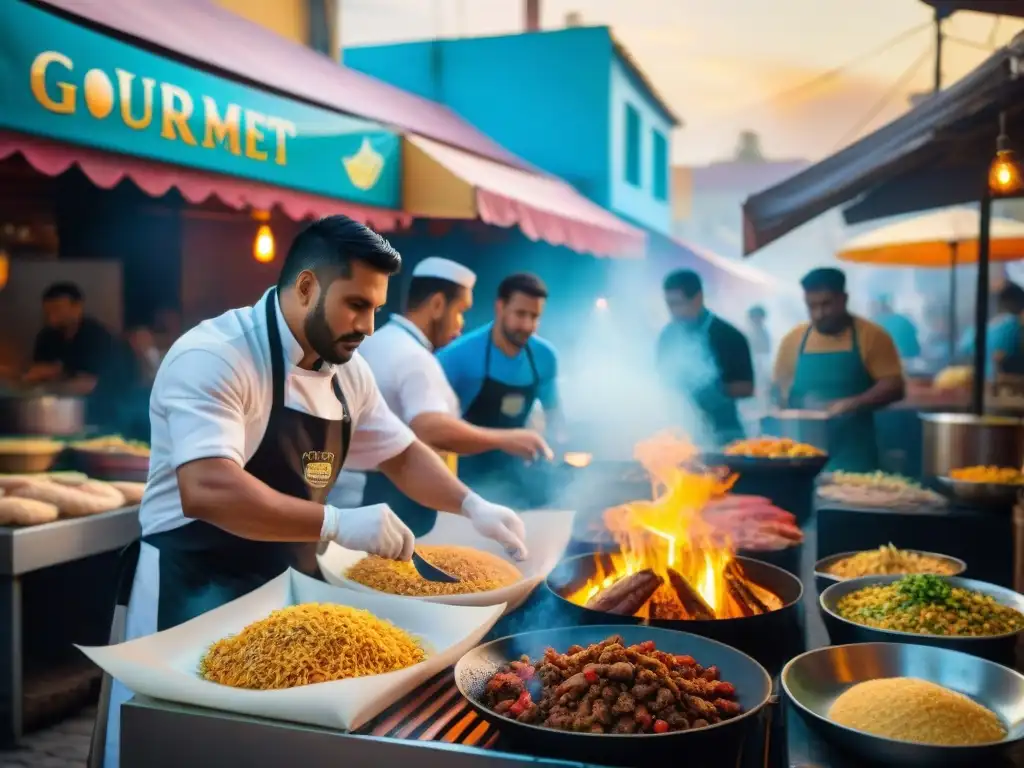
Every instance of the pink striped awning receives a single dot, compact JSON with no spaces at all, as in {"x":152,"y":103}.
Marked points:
{"x":441,"y":181}
{"x":108,"y":169}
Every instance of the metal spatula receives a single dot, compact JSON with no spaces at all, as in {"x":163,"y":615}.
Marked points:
{"x":430,"y":572}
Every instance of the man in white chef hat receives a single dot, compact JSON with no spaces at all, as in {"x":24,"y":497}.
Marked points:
{"x":401,"y":356}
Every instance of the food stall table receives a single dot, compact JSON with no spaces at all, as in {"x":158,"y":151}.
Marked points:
{"x":30,"y":550}
{"x":981,"y":538}
{"x":433,"y":727}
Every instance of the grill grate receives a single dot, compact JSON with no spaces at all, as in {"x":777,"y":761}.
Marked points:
{"x":435,"y":711}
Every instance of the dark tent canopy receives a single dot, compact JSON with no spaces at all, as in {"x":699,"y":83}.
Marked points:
{"x":995,"y":7}
{"x":937,"y":154}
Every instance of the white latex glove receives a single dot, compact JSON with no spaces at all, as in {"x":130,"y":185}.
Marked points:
{"x":496,"y":522}
{"x":374,"y":529}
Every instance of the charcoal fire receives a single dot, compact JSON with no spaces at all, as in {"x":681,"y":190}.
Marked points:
{"x":671,"y":564}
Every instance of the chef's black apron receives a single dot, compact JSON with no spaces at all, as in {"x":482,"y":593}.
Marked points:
{"x":495,"y":474}
{"x":380,"y":490}
{"x":202,"y":567}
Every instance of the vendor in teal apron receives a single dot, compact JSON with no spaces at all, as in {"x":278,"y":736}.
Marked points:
{"x":413,"y":384}
{"x":1003,"y":337}
{"x":704,"y":362}
{"x":254,"y":413}
{"x":499,"y":372}
{"x":842,"y":364}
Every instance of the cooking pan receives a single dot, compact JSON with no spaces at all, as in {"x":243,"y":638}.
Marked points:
{"x":719,"y":744}
{"x":771,"y":638}
{"x":811,"y":465}
{"x":998,"y":495}
{"x":841,"y":631}
{"x":814,"y":680}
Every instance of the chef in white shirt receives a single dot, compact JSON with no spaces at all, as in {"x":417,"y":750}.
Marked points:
{"x":413,"y":384}
{"x":254,"y":413}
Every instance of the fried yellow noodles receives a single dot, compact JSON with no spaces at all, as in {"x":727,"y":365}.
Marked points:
{"x":309,"y":643}
{"x":477,"y":572}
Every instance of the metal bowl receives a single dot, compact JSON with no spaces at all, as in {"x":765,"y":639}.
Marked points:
{"x":814,"y":680}
{"x":811,"y":465}
{"x":753,"y":687}
{"x":111,"y":465}
{"x":999,"y":648}
{"x":770,"y":638}
{"x":31,"y":460}
{"x":823,"y":580}
{"x":981,"y":494}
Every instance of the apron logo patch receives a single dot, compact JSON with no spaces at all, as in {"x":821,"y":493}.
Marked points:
{"x":512,"y":405}
{"x":317,"y":468}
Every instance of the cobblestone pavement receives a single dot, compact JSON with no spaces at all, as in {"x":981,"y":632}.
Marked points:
{"x":64,"y":745}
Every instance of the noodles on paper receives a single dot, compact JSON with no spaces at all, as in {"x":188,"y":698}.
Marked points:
{"x":309,"y":643}
{"x":476,"y":572}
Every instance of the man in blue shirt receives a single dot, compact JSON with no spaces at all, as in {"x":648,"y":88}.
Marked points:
{"x":1002,"y":339}
{"x":498,"y":372}
{"x":900,"y":327}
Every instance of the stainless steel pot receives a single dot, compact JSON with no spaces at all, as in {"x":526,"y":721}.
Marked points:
{"x":954,"y":440}
{"x":41,"y":414}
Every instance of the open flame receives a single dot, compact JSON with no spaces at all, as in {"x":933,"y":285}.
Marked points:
{"x":669,"y":533}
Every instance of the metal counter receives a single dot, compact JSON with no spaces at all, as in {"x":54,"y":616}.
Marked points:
{"x":433,"y":727}
{"x":30,"y":549}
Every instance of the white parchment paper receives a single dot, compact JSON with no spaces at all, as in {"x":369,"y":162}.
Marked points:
{"x":164,"y":665}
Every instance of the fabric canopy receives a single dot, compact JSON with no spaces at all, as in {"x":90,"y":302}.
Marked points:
{"x":444,"y":182}
{"x":942,"y":239}
{"x":107,"y":170}
{"x":202,"y":33}
{"x":928,"y":137}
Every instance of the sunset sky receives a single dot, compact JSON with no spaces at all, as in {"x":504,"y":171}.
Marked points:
{"x":729,"y":65}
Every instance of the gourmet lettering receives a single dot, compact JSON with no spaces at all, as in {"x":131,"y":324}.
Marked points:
{"x":171,"y":112}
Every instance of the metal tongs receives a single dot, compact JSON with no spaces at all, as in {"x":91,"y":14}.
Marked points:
{"x":430,"y":572}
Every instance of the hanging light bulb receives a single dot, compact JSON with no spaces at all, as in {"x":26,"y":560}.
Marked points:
{"x":1004,"y":174}
{"x":5,"y":267}
{"x":263,"y":247}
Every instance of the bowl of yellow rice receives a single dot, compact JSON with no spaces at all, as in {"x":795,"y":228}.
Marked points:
{"x":887,"y":560}
{"x":908,"y":705}
{"x":947,"y":611}
{"x":486,"y":574}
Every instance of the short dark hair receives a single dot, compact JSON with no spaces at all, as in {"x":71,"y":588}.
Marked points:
{"x":686,"y":281}
{"x":422,"y":288}
{"x":68,"y":291}
{"x":522,"y":282}
{"x":328,"y":247}
{"x":824,"y":279}
{"x":1011,"y":297}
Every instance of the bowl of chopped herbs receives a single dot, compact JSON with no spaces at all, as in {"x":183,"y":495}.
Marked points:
{"x":926,"y":609}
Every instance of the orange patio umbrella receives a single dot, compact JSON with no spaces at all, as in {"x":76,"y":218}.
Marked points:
{"x":947,"y":238}
{"x":943,"y":239}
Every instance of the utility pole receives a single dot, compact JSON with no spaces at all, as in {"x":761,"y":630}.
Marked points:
{"x":940,"y":16}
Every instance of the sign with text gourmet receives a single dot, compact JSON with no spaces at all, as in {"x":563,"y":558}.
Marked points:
{"x":65,"y":82}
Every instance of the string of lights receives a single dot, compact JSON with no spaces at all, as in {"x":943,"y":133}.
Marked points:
{"x":829,"y":75}
{"x":897,"y":89}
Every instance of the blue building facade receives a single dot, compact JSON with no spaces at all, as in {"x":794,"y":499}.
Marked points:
{"x":571,"y":102}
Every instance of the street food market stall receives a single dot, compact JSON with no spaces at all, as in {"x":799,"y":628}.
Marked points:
{"x":62,"y":122}
{"x":673,"y":643}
